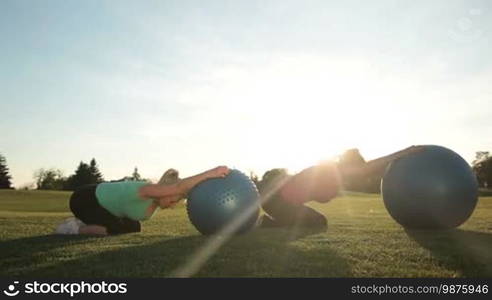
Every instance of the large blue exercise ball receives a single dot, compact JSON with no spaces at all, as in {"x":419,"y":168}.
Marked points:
{"x":219,"y":202}
{"x":431,"y":189}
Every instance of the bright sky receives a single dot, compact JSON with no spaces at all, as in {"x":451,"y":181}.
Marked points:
{"x":250,"y":84}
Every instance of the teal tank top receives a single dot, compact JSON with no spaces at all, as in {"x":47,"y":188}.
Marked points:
{"x":122,"y":200}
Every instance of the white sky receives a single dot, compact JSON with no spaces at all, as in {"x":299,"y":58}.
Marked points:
{"x":251,"y":84}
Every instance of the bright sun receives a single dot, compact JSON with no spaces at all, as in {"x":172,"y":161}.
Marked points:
{"x":315,"y":120}
{"x":296,"y":112}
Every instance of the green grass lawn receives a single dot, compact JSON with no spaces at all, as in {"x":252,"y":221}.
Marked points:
{"x":362,"y":241}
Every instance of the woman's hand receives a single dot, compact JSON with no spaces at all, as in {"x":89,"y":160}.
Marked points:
{"x":183,"y":186}
{"x":218,"y":172}
{"x":170,"y":201}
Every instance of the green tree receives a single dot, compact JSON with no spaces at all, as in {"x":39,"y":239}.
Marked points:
{"x":482,"y":166}
{"x":51,"y":179}
{"x":94,"y":170}
{"x":81,"y":177}
{"x":5,"y":177}
{"x":84,"y":174}
{"x":135,"y":175}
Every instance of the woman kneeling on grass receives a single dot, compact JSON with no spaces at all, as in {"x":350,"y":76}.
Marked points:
{"x":286,"y":195}
{"x":117,"y":207}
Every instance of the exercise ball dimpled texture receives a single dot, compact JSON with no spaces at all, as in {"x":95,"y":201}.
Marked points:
{"x":217,"y":202}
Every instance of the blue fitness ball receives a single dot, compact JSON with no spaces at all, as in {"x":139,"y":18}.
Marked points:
{"x":431,"y":189}
{"x":219,"y":202}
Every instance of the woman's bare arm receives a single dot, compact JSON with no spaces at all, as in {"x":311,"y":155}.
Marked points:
{"x":185,"y":185}
{"x":182,"y":187}
{"x":378,"y":164}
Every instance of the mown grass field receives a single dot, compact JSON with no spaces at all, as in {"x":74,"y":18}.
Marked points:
{"x":362,"y":241}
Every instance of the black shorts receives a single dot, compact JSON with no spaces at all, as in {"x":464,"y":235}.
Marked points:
{"x":85,"y":207}
{"x":286,"y":214}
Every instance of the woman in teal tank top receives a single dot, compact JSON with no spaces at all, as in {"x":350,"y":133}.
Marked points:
{"x":118,"y":207}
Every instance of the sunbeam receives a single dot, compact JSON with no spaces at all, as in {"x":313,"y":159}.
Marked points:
{"x":216,"y":241}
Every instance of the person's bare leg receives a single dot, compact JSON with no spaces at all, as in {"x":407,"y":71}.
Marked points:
{"x":93,"y":230}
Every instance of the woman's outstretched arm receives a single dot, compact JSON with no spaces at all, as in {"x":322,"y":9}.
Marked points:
{"x":182,"y":187}
{"x":377,"y":164}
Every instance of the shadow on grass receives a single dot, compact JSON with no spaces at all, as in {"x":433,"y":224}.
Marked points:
{"x":261,"y":253}
{"x":469,"y":252}
{"x":16,"y":254}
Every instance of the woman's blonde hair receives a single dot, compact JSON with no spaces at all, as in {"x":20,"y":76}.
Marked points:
{"x":171,"y":176}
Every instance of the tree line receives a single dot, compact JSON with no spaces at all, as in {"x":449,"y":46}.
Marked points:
{"x":53,"y":179}
{"x":89,"y":173}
